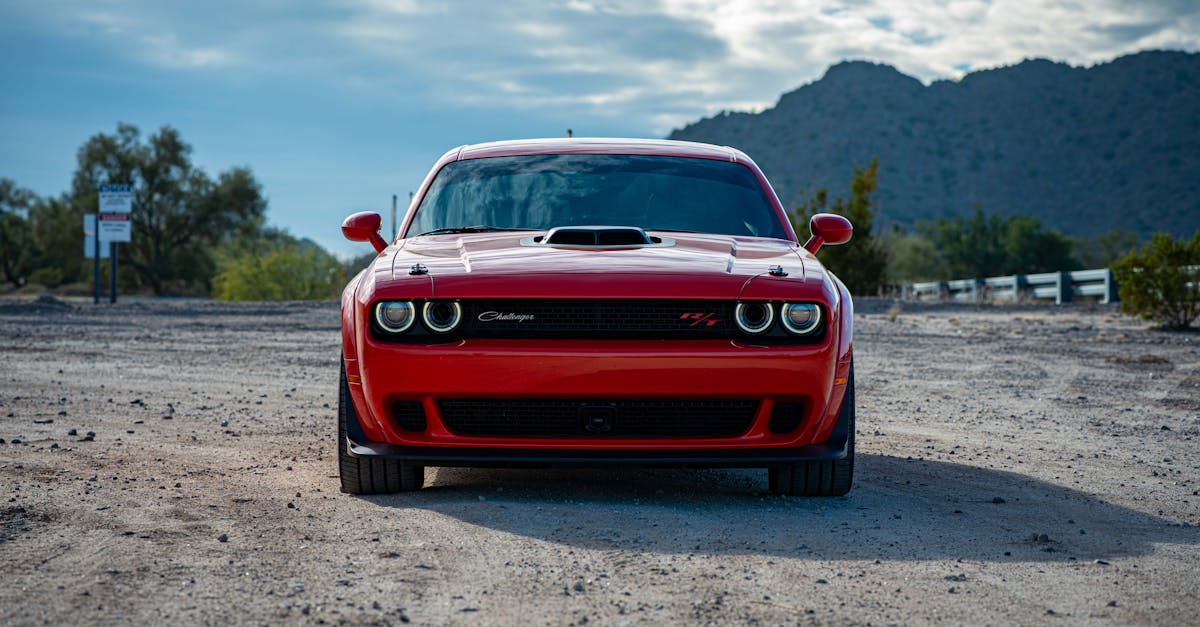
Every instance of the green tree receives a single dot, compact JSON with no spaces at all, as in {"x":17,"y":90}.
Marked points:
{"x":1161,"y":281}
{"x":993,"y":245}
{"x":1103,"y":251}
{"x":911,"y":258}
{"x":179,"y":214}
{"x":17,"y":250}
{"x":861,"y":263}
{"x":288,"y":271}
{"x":58,"y":236}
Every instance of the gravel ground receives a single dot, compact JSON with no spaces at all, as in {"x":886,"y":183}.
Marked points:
{"x":1029,"y":464}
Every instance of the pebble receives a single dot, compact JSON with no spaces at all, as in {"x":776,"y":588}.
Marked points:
{"x":16,"y":440}
{"x":579,"y":587}
{"x":822,"y":581}
{"x":72,"y":432}
{"x":223,"y":538}
{"x":997,"y":500}
{"x":89,"y":436}
{"x":1100,"y":562}
{"x":958,"y":577}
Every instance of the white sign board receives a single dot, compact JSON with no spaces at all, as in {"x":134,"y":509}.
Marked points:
{"x":116,"y":199}
{"x":115,"y":227}
{"x":89,"y":233}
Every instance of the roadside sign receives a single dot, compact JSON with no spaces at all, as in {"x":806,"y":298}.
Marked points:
{"x":116,"y":199}
{"x":115,"y":227}
{"x":89,"y":234}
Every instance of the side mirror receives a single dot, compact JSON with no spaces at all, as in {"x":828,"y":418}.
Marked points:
{"x":827,"y":228}
{"x":364,"y":227}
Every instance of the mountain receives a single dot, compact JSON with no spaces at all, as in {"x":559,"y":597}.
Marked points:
{"x":1085,"y":150}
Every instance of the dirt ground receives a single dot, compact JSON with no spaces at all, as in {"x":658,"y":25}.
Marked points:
{"x":1017,"y":464}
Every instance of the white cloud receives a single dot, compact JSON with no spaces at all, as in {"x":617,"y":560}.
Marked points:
{"x":663,"y":63}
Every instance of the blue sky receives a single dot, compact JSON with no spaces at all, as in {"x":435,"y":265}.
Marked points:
{"x":338,"y":105}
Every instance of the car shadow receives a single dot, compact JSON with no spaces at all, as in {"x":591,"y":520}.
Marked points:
{"x":899,"y":509}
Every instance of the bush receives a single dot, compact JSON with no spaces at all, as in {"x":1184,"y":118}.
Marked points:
{"x":285,"y":273}
{"x":1154,"y":281}
{"x":46,"y":277}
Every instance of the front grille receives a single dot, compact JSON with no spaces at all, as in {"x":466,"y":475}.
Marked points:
{"x":658,"y":319}
{"x":638,"y":418}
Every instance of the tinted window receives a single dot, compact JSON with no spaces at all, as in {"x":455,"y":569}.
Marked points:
{"x":544,"y":191}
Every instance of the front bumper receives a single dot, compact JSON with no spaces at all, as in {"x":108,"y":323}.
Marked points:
{"x":386,"y":373}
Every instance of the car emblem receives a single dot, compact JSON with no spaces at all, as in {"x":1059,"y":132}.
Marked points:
{"x":496,"y":316}
{"x":708,"y":319}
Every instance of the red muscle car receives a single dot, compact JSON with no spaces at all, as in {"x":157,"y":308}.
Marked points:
{"x":561,"y":302}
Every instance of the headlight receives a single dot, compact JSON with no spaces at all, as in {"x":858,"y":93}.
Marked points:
{"x":394,"y":316}
{"x":800,"y":318}
{"x":442,"y":316}
{"x":754,"y":318}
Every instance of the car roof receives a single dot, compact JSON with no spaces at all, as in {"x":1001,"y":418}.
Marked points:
{"x":599,"y":145}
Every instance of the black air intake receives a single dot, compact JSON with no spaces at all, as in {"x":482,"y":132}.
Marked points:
{"x":596,"y":236}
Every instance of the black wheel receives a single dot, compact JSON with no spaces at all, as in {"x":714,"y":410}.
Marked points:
{"x":820,"y":478}
{"x":369,"y":475}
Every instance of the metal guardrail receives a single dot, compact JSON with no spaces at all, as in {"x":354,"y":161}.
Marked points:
{"x":1060,"y":287}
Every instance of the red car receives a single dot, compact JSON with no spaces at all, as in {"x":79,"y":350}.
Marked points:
{"x":560,"y":302}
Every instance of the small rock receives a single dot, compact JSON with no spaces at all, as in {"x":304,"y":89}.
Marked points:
{"x":579,"y":587}
{"x":224,"y":423}
{"x":223,"y":538}
{"x":16,"y":440}
{"x":822,"y":581}
{"x":88,"y":437}
{"x":1043,"y":537}
{"x":997,"y":500}
{"x":958,"y":577}
{"x":1100,"y":562}
{"x":1112,"y":604}
{"x":72,"y":432}
{"x":291,"y":506}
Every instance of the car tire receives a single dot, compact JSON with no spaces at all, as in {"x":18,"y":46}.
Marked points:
{"x":369,"y":475}
{"x":831,"y":477}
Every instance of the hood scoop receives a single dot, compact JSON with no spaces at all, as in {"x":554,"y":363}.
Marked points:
{"x":602,"y":237}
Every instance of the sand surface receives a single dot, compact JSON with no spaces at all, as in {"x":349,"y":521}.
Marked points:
{"x":1032,"y":465}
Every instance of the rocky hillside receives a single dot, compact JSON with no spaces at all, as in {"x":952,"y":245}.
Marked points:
{"x":1085,"y":150}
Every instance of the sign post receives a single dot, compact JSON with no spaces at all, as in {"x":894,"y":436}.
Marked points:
{"x":96,"y":258}
{"x":113,"y":225}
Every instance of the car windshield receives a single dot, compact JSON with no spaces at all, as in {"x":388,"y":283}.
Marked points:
{"x":538,"y":192}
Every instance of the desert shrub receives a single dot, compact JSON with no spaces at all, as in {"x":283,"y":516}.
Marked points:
{"x":288,"y":272}
{"x":47,"y":277}
{"x":1161,"y":281}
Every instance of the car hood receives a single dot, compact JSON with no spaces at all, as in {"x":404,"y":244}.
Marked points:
{"x":510,"y":265}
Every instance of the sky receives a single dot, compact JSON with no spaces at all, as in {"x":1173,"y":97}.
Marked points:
{"x":338,"y":105}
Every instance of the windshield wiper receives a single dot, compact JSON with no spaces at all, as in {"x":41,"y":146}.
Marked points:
{"x":478,"y":228}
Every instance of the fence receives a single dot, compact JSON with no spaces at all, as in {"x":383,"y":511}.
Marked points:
{"x":1060,"y":287}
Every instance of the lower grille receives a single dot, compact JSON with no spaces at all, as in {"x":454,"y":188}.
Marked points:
{"x":786,"y":417}
{"x":548,"y":418}
{"x":410,"y":415}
